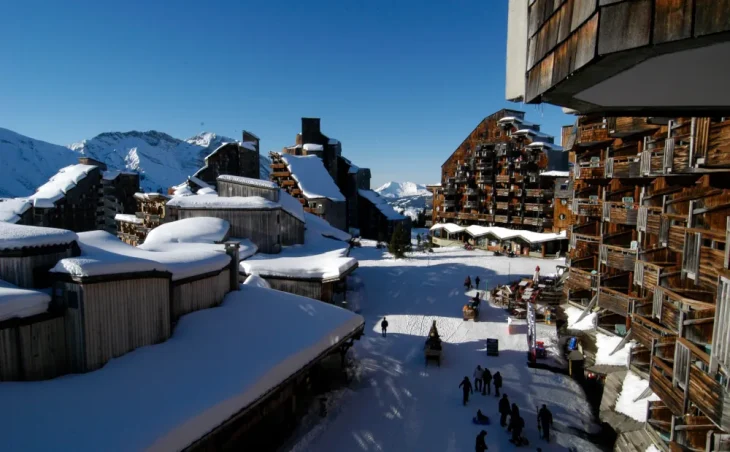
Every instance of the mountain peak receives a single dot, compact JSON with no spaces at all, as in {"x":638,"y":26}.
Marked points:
{"x":394,"y":189}
{"x":209,"y":140}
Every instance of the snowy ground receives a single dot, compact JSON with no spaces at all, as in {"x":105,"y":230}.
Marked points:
{"x":398,"y":404}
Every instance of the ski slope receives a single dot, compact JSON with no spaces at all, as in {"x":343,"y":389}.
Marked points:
{"x":398,"y":404}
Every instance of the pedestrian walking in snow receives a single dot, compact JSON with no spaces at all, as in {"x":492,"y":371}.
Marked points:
{"x":467,"y":283}
{"x":384,"y":327}
{"x":516,"y":424}
{"x":481,"y":445}
{"x":476,"y":281}
{"x":486,"y":382}
{"x":478,"y":378}
{"x":497,"y":378}
{"x":504,"y":410}
{"x":466,"y":388}
{"x":515,"y":411}
{"x":545,"y":421}
{"x":536,"y":276}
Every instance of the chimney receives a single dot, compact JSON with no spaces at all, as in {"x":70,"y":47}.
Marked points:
{"x":90,"y":161}
{"x":311,"y":131}
{"x":232,"y":250}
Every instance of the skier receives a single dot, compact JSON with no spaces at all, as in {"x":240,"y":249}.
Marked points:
{"x":516,"y":424}
{"x":504,"y":410}
{"x":481,"y":446}
{"x":466,"y":387}
{"x":486,"y":382}
{"x":545,"y":420}
{"x":497,"y":378}
{"x":467,"y":283}
{"x":478,"y":378}
{"x":476,"y":281}
{"x":384,"y":327}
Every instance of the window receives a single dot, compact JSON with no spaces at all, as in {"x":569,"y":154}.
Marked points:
{"x":562,"y":215}
{"x":564,"y":201}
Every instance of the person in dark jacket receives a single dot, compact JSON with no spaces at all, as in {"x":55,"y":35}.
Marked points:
{"x":545,"y":418}
{"x":504,"y":410}
{"x":476,"y":282}
{"x":486,"y":382}
{"x":515,"y":410}
{"x":481,"y":445}
{"x":467,"y":283}
{"x":466,"y":388}
{"x":497,"y":379}
{"x":481,"y":418}
{"x":384,"y":327}
{"x":516,"y":424}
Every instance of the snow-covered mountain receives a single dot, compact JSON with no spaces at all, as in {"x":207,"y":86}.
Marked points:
{"x":402,"y":189}
{"x":161,"y":160}
{"x":407,"y":198}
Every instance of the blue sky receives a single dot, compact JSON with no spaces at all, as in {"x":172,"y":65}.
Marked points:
{"x":400,"y":83}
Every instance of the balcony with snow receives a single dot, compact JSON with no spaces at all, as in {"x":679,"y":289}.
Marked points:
{"x":618,"y":57}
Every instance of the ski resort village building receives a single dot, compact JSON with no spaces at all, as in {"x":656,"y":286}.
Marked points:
{"x":493,"y":177}
{"x":236,"y":159}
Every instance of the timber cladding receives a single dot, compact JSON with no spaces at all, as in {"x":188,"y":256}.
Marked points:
{"x":292,"y":229}
{"x":262,"y":227}
{"x":107,"y":319}
{"x":28,"y":268}
{"x":32,"y":348}
{"x":203,"y":293}
{"x":229,"y":189}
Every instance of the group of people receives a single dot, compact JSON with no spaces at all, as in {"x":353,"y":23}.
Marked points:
{"x":483,"y":380}
{"x":468,"y":285}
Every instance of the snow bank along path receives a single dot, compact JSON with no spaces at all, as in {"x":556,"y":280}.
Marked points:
{"x":398,"y":404}
{"x":165,"y":396}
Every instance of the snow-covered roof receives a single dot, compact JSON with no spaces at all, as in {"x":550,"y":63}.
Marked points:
{"x":128,"y":218}
{"x":58,"y":185}
{"x":149,"y":196}
{"x":313,"y":147}
{"x":189,"y":230}
{"x":15,"y":236}
{"x":543,"y":144}
{"x":291,"y":205}
{"x":11,"y":209}
{"x":113,"y":174}
{"x":199,"y":182}
{"x":207,"y":191}
{"x":515,"y":119}
{"x":250,"y":145}
{"x":182,"y":190}
{"x":322,"y":227}
{"x":451,"y":228}
{"x":555,"y":174}
{"x":18,"y":303}
{"x":312,"y":177}
{"x":504,"y":234}
{"x":381,"y":204}
{"x":632,"y":388}
{"x":137,"y":401}
{"x":532,"y":132}
{"x":257,"y":281}
{"x":219,"y":202}
{"x":104,"y":254}
{"x":251,"y":182}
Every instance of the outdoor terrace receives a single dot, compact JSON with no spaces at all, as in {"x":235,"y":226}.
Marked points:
{"x":620,"y":213}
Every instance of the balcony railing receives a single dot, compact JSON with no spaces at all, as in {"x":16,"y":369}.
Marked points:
{"x":649,"y":220}
{"x":502,"y":205}
{"x":502,"y":192}
{"x":623,"y":167}
{"x":471,"y":204}
{"x":501,"y":219}
{"x":703,"y":390}
{"x":645,"y":331}
{"x":502,"y":178}
{"x":532,"y":207}
{"x":625,"y":126}
{"x":519,"y":178}
{"x":618,"y":257}
{"x":586,"y":171}
{"x":450,"y":191}
{"x":578,"y":279}
{"x":620,"y":213}
{"x":473,"y":192}
{"x":538,"y":193}
{"x":592,"y":133}
{"x":587,"y":207}
{"x":516,"y":220}
{"x":615,"y":301}
{"x":661,"y":383}
{"x":450,"y":203}
{"x":537,"y":221}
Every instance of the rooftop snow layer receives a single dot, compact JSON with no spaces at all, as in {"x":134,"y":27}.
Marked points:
{"x":381,"y":204}
{"x":509,"y":119}
{"x":250,"y":145}
{"x":218,"y":202}
{"x":555,"y":174}
{"x":255,"y":280}
{"x":128,"y":218}
{"x":182,"y":190}
{"x":542,"y":144}
{"x":320,"y":258}
{"x":313,"y":147}
{"x":322,"y":227}
{"x":58,"y":185}
{"x":139,"y":402}
{"x":189,"y":230}
{"x":632,"y":388}
{"x":207,"y":191}
{"x":18,"y":303}
{"x":312,"y":176}
{"x":148,"y":196}
{"x":502,"y":233}
{"x":104,"y":254}
{"x":291,"y":204}
{"x":259,"y":183}
{"x":199,"y":182}
{"x":11,"y":209}
{"x":531,"y":132}
{"x":14,"y":236}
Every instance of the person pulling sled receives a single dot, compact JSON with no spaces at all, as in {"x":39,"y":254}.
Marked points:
{"x":466,"y":388}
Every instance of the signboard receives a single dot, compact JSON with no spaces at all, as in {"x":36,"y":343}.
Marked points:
{"x":492,"y":347}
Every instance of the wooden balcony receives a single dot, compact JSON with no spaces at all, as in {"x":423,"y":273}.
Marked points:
{"x":659,"y":417}
{"x":690,"y":313}
{"x":501,"y":219}
{"x":288,"y":183}
{"x":578,"y":279}
{"x":545,"y":222}
{"x":703,"y":389}
{"x":649,"y":220}
{"x":502,"y":192}
{"x":620,"y":213}
{"x":625,"y":126}
{"x":619,"y":257}
{"x":278,"y":166}
{"x":587,"y":207}
{"x":516,"y":220}
{"x":538,"y":193}
{"x":502,"y":205}
{"x":615,"y":301}
{"x":661,"y":383}
{"x":471,"y":205}
{"x":518,"y":178}
{"x":696,"y":433}
{"x":592,"y":134}
{"x":651,"y":267}
{"x":585,"y":171}
{"x":533,"y":207}
{"x":623,"y":167}
{"x":450,"y":203}
{"x":450,"y":191}
{"x":646,"y":332}
{"x":280,"y":174}
{"x":502,"y":178}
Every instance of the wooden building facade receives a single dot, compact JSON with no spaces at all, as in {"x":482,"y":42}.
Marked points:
{"x":493,"y":177}
{"x":649,"y":253}
{"x":235,"y":159}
